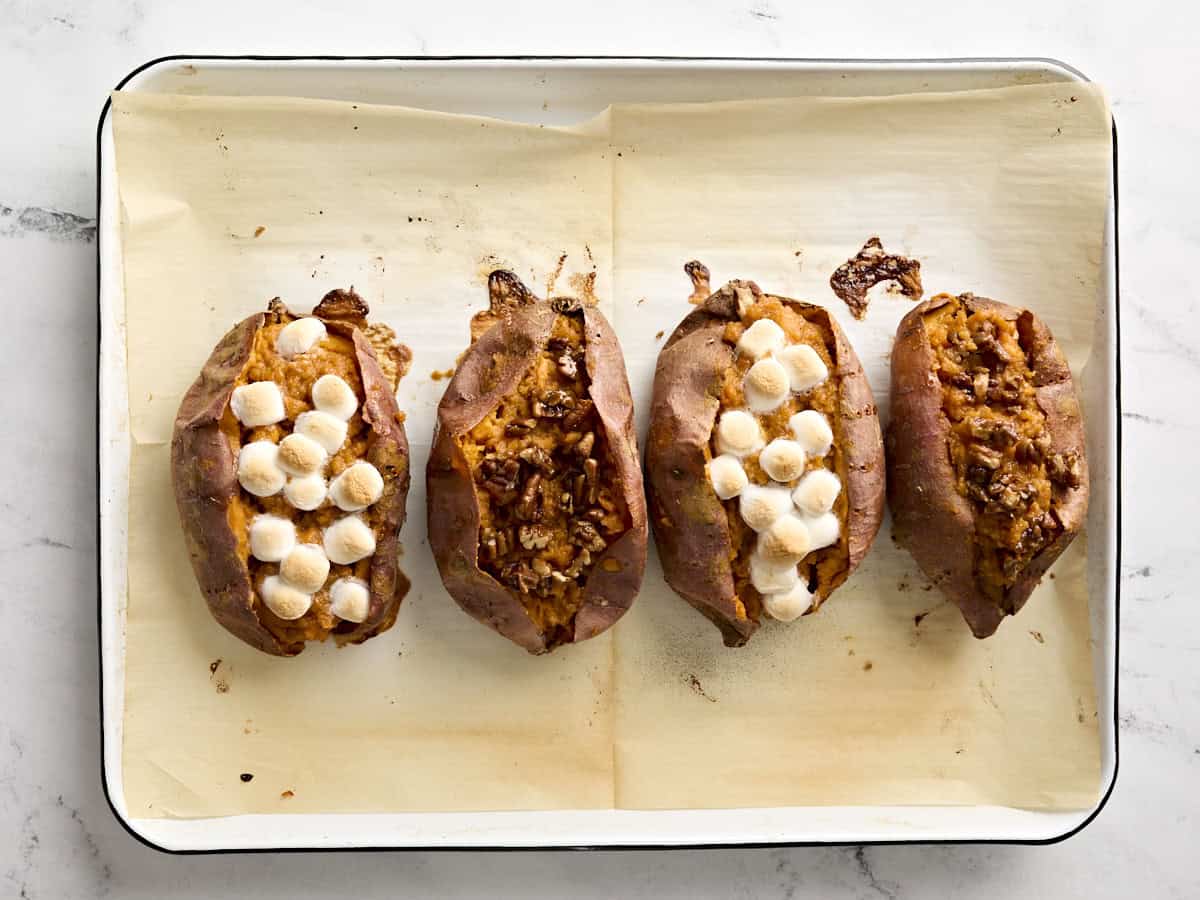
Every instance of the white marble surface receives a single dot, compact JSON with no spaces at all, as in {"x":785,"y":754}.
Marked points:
{"x":57,"y":60}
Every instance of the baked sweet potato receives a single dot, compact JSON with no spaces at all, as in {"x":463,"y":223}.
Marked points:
{"x":764,"y":458}
{"x":987,"y":471}
{"x":536,"y":514}
{"x":285,"y":402}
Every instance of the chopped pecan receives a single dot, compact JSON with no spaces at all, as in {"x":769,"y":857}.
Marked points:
{"x":584,"y":445}
{"x":500,"y":478}
{"x":567,"y":502}
{"x":590,"y":469}
{"x":567,"y":367}
{"x":983,"y":455}
{"x":1063,"y":468}
{"x":518,"y":574}
{"x":979,"y":384}
{"x":584,"y":534}
{"x":534,"y":537}
{"x":539,"y":565}
{"x":519,"y":427}
{"x":579,"y":488}
{"x":1027,"y":451}
{"x":573,"y":419}
{"x":575,"y":569}
{"x":503,"y":542}
{"x":564,"y":305}
{"x":553,"y":405}
{"x":528,"y":509}
{"x":538,"y":458}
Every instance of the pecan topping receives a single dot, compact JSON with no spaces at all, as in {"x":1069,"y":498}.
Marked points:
{"x":520,"y":427}
{"x":538,"y":459}
{"x":553,"y":405}
{"x":535,"y":537}
{"x":500,"y":478}
{"x":567,"y":367}
{"x":584,"y":534}
{"x":573,"y":419}
{"x":585,"y":444}
{"x":528,"y":508}
{"x":1063,"y":469}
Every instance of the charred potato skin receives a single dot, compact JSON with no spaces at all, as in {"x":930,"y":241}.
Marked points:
{"x":690,"y":523}
{"x":506,"y":342}
{"x":204,"y":475}
{"x":932,"y":520}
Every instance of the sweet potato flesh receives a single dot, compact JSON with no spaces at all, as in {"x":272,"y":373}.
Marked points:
{"x":548,"y":502}
{"x":295,"y":377}
{"x":822,"y":566}
{"x":998,"y":441}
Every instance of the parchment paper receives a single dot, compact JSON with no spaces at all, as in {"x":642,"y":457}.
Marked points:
{"x":881,"y":698}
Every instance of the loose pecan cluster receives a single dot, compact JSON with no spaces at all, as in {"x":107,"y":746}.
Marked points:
{"x":549,"y":520}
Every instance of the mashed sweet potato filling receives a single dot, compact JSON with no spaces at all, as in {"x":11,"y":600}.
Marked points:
{"x":333,"y":355}
{"x":821,"y":566}
{"x":548,"y":507}
{"x":998,"y":442}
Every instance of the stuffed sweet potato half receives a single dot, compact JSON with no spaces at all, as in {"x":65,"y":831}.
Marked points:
{"x":291,"y":471}
{"x":987,"y":474}
{"x":764,"y":458}
{"x":536,"y":514}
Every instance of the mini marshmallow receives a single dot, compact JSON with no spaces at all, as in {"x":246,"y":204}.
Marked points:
{"x":816,"y":492}
{"x":738,"y":433}
{"x":824,"y":530}
{"x":327,"y":430}
{"x":257,"y":403}
{"x":271,"y":538}
{"x":300,"y":455}
{"x":804,"y":366}
{"x":350,"y":599}
{"x":305,"y":568}
{"x":766,"y":385}
{"x":761,"y":506}
{"x":348,"y":540}
{"x":727,"y":476}
{"x":761,"y":339}
{"x":772,"y":577}
{"x":782,"y":460}
{"x":788,"y":605}
{"x":786,"y":540}
{"x":283,"y":599}
{"x":306,"y":493}
{"x":812,"y":430}
{"x":258,"y":469}
{"x":331,"y":394}
{"x":299,"y":336}
{"x":357,"y":487}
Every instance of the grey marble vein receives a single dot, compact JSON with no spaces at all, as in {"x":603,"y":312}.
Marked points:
{"x":66,"y":226}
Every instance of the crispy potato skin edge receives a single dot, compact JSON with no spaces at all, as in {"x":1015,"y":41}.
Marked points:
{"x":932,"y":520}
{"x":453,"y":509}
{"x":204,"y":476}
{"x":689,"y":521}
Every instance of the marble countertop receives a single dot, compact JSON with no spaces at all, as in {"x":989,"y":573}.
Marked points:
{"x":58,"y":59}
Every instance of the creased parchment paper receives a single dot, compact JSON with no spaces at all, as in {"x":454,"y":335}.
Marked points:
{"x":882,"y":698}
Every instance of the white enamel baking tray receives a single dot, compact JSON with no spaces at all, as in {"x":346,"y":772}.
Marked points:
{"x":561,"y":90}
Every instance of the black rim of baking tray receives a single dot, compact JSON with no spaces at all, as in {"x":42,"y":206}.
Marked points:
{"x":747,"y":845}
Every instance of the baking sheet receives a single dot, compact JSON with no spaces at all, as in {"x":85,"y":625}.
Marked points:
{"x":439,"y":713}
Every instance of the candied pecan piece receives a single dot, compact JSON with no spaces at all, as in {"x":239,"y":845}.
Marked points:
{"x":500,"y":478}
{"x":584,"y":534}
{"x":553,"y":404}
{"x":1063,"y":469}
{"x":535,"y":537}
{"x":538,"y":459}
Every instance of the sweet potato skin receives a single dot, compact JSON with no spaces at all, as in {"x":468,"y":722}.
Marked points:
{"x":690,"y":524}
{"x":506,"y":341}
{"x":932,"y":520}
{"x":204,"y":476}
